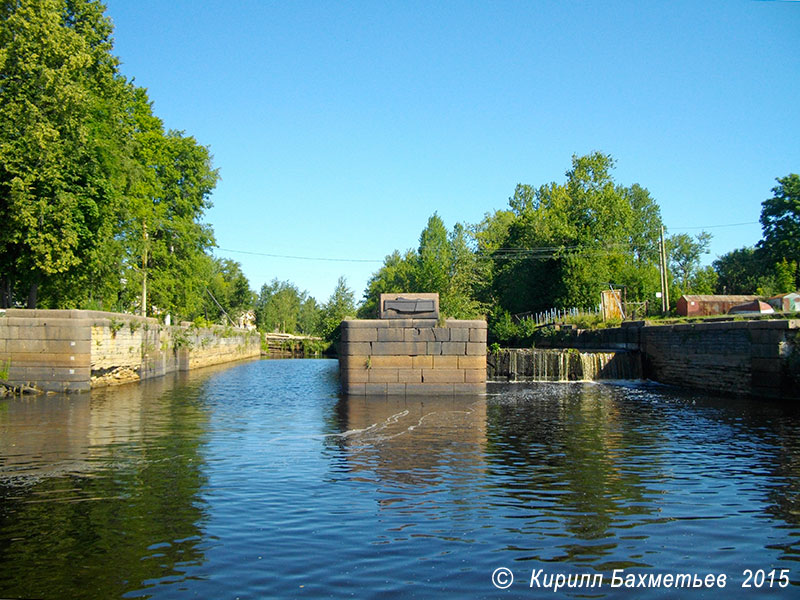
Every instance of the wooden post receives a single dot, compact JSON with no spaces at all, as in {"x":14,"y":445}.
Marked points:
{"x":664,"y":282}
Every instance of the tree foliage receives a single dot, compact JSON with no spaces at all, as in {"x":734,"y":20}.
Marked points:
{"x":60,"y":138}
{"x":444,"y":263}
{"x":684,"y":254}
{"x":780,"y":223}
{"x":99,"y":203}
{"x":564,"y":243}
{"x":341,"y":304}
{"x":228,"y":294}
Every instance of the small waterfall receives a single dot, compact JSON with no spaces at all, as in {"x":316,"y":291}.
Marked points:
{"x":563,"y":365}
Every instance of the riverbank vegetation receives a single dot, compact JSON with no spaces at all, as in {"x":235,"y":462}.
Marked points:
{"x":104,"y":208}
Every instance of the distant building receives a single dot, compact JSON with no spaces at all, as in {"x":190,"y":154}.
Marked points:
{"x":247,"y":320}
{"x":786,"y":302}
{"x":756,"y":307}
{"x":704,"y":304}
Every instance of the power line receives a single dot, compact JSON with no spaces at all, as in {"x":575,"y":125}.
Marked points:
{"x":717,"y":226}
{"x":322,"y":258}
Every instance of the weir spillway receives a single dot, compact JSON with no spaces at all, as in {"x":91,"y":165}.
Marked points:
{"x":562,"y":365}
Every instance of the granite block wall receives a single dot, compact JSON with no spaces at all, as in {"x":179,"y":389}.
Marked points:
{"x":757,"y":358}
{"x":76,"y":350}
{"x":412,"y":357}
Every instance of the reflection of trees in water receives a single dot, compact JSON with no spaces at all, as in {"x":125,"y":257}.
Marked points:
{"x":565,"y":457}
{"x":113,"y":502}
{"x":763,"y":445}
{"x":599,"y":461}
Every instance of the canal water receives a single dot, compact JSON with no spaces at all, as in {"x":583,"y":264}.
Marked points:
{"x":258,"y":481}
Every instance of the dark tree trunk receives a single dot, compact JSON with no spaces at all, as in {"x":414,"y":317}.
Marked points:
{"x":5,"y":292}
{"x":34,"y":290}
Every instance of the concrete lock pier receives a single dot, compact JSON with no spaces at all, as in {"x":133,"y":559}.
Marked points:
{"x":408,"y":351}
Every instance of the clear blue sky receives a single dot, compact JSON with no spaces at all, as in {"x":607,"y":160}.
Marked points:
{"x":340,"y":127}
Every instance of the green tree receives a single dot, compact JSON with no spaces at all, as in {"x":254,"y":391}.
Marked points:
{"x":309,"y":319}
{"x":164,"y":237}
{"x":704,"y":280}
{"x":738,"y":271}
{"x":684,"y":255}
{"x":279,"y":306}
{"x":434,"y":257}
{"x":398,"y":274}
{"x":567,"y":242}
{"x":60,"y":138}
{"x":228,"y":291}
{"x":444,"y":263}
{"x":458,"y":299}
{"x":341,"y":304}
{"x":780,"y":222}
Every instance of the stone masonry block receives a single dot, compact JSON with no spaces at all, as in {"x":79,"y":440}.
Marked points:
{"x":355,"y":376}
{"x":419,"y":334}
{"x":459,"y":334}
{"x":401,"y":348}
{"x":477,"y":335}
{"x":441,"y":334}
{"x":382,"y":375}
{"x":445,"y":362}
{"x":454,"y":348}
{"x":368,"y":324}
{"x":444,"y":389}
{"x":442,"y":376}
{"x":476,"y":349}
{"x":472,"y":362}
{"x":393,"y":334}
{"x":766,"y":365}
{"x":353,"y":361}
{"x":434,"y":348}
{"x":50,"y":346}
{"x":355,"y":389}
{"x":48,"y":359}
{"x":38,"y":374}
{"x":409,"y":375}
{"x":48,"y":323}
{"x":360,"y":348}
{"x":423,"y":323}
{"x":391,"y":361}
{"x":360,"y":334}
{"x":73,"y":333}
{"x":377,"y":389}
{"x":766,"y":350}
{"x":422,"y":362}
{"x":395,"y":389}
{"x":475,"y":376}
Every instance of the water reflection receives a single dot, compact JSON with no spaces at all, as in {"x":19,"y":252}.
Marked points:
{"x":603,"y":469}
{"x":100,"y":492}
{"x":258,"y":481}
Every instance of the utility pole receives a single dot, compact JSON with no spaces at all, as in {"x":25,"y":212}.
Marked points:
{"x":662,"y":256}
{"x":144,"y":272}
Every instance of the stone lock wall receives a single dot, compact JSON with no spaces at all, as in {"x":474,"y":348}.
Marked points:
{"x":76,"y":350}
{"x":413,"y":357}
{"x":756,"y":358}
{"x":743,"y":358}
